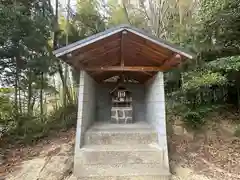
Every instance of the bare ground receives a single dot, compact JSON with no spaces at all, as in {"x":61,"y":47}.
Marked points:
{"x":210,"y":154}
{"x":46,"y":148}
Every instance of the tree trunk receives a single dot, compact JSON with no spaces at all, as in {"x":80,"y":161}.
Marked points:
{"x":126,"y":13}
{"x":56,"y":94}
{"x":65,"y":88}
{"x":66,"y":74}
{"x":33,"y":103}
{"x":19,"y":101}
{"x":55,"y":39}
{"x":41,"y":95}
{"x":60,"y":71}
{"x":16,"y":91}
{"x":30,"y":110}
{"x":238,"y":97}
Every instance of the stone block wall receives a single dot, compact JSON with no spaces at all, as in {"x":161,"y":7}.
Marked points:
{"x":121,"y":115}
{"x":155,"y":110}
{"x":86,"y":106}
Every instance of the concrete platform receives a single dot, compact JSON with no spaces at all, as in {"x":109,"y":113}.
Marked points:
{"x":141,"y":177}
{"x":99,"y":126}
{"x":122,"y":170}
{"x":105,"y":133}
{"x":116,"y":154}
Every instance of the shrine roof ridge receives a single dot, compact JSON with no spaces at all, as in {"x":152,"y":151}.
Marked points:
{"x":96,"y":37}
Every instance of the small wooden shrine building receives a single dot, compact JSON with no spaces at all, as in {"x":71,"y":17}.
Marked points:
{"x":121,"y":104}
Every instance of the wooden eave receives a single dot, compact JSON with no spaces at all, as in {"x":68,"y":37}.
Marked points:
{"x":122,"y":50}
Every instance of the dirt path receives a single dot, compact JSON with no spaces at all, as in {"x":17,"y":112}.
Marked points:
{"x":51,"y":157}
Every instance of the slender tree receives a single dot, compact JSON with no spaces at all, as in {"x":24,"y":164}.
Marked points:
{"x":66,"y":73}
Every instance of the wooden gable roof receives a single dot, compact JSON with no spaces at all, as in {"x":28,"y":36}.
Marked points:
{"x":122,"y":49}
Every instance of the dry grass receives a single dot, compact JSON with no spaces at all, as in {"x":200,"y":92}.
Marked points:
{"x":213,"y":152}
{"x":14,"y":155}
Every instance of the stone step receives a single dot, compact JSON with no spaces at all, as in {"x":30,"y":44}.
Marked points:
{"x":116,"y":154}
{"x":122,"y":171}
{"x":140,"y":177}
{"x":98,"y":126}
{"x":120,"y":134}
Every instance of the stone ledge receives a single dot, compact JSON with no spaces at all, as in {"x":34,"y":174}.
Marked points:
{"x":121,"y":137}
{"x":119,"y":170}
{"x":150,"y":177}
{"x":116,"y":154}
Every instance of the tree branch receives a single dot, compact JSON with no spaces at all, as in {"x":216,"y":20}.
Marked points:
{"x":126,"y":13}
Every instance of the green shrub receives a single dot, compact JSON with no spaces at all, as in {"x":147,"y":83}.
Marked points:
{"x":193,"y":119}
{"x":175,"y":107}
{"x":237,"y":132}
{"x":63,"y":117}
{"x":6,"y":110}
{"x":27,"y":129}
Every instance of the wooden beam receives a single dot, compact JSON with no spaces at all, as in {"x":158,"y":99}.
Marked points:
{"x":165,"y":66}
{"x":99,"y":72}
{"x":137,"y":52}
{"x":99,"y":51}
{"x":147,"y":73}
{"x":175,"y":59}
{"x":122,"y":45}
{"x":107,"y":45}
{"x":96,"y":73}
{"x":87,"y":60}
{"x":141,"y":58}
{"x":144,"y":46}
{"x":124,"y":68}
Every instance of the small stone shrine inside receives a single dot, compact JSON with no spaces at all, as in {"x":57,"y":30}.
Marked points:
{"x":121,"y":110}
